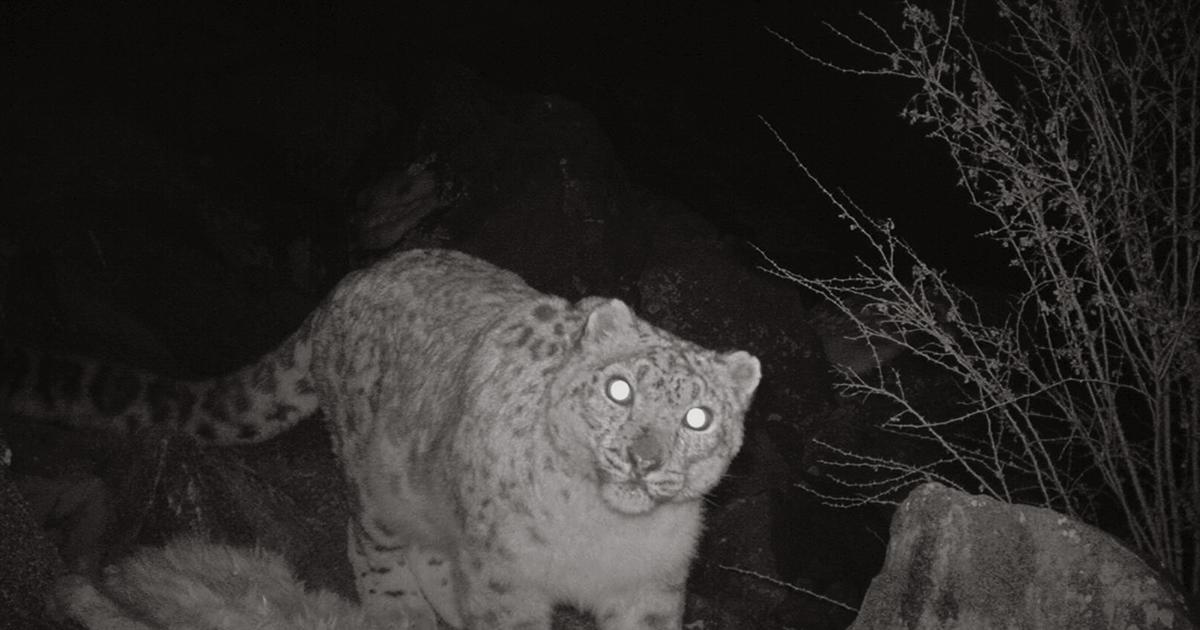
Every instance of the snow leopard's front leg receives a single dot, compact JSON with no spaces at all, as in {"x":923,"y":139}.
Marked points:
{"x":651,"y":607}
{"x":389,"y":585}
{"x":494,"y":600}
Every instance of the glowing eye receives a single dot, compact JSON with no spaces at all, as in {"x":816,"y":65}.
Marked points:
{"x":619,"y":390}
{"x":697,"y":419}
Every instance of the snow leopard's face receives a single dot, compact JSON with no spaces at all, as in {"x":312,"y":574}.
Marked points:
{"x":661,"y":417}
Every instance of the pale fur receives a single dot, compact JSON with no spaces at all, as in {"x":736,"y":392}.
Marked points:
{"x":478,"y":452}
{"x":194,"y":585}
{"x":494,"y":474}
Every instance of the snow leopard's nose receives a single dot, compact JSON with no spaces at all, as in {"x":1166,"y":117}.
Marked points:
{"x":646,"y":452}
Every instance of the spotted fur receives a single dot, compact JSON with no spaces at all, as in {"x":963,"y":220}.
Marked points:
{"x":508,"y":451}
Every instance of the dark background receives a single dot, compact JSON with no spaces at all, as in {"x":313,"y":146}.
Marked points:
{"x":677,"y":86}
{"x":113,"y":107}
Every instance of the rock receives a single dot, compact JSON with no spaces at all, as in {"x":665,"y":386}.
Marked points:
{"x":395,"y":203}
{"x":286,"y":495}
{"x":707,"y":290}
{"x":957,"y":561}
{"x":29,"y":559}
{"x":76,"y":509}
{"x":539,"y":189}
{"x":843,"y":341}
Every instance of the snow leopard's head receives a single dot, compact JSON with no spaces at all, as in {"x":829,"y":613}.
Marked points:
{"x":660,"y":418}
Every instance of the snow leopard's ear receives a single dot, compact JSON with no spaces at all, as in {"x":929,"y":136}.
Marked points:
{"x":608,"y":321}
{"x":744,"y":372}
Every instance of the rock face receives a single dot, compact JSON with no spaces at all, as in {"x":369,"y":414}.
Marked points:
{"x":959,"y":561}
{"x":29,"y":559}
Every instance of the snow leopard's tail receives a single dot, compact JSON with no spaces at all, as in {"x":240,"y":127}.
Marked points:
{"x":252,"y":404}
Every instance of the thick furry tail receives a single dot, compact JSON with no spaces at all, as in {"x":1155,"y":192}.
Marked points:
{"x":252,"y":404}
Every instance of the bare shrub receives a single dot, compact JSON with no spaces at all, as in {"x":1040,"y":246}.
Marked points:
{"x":1078,"y":138}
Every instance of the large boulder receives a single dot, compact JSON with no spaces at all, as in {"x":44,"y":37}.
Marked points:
{"x":958,"y":561}
{"x":535,"y":184}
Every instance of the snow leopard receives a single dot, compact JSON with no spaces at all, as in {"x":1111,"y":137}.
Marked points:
{"x":506,"y":450}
